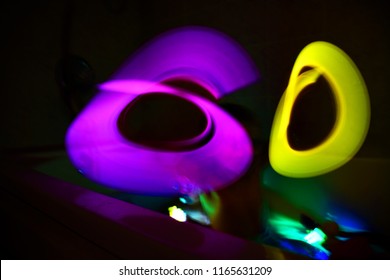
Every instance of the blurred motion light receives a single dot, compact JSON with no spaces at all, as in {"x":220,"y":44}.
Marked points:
{"x":107,"y":150}
{"x":201,"y":55}
{"x":352,"y":113}
{"x":316,"y":236}
{"x":97,"y":147}
{"x":177,"y":214}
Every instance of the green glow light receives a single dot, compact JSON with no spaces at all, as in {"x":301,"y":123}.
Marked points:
{"x":177,"y":214}
{"x":352,"y":113}
{"x":287,"y":227}
{"x":308,"y":193}
{"x":210,"y":203}
{"x":316,"y":236}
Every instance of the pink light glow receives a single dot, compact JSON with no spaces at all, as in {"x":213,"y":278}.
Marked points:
{"x":99,"y":151}
{"x":202,"y":55}
{"x":205,"y":57}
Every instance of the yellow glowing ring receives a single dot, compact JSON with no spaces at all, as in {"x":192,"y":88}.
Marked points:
{"x":352,"y":113}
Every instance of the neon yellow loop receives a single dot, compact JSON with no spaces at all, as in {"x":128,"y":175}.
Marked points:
{"x":352,"y":113}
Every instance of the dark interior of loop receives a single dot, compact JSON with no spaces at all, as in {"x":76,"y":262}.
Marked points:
{"x":164,"y":121}
{"x":313,"y":116}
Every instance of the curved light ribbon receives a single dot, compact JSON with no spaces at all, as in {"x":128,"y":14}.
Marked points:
{"x":202,"y":55}
{"x":352,"y":113}
{"x":98,"y":149}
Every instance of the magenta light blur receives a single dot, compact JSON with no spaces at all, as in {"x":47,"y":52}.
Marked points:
{"x":202,"y":55}
{"x":99,"y":150}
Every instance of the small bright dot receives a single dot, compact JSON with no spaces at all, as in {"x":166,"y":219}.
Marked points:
{"x":316,"y":236}
{"x":177,"y":214}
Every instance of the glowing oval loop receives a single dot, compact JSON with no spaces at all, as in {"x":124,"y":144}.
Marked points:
{"x":100,"y":147}
{"x":352,"y":113}
{"x":97,"y":148}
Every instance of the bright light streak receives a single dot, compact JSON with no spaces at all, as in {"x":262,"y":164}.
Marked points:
{"x":177,"y":214}
{"x":352,"y":113}
{"x":203,"y":56}
{"x":316,"y":236}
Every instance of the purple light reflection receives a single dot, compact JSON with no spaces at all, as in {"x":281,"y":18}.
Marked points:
{"x":202,"y":55}
{"x":98,"y":149}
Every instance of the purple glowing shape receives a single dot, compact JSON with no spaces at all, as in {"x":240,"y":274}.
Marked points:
{"x":99,"y":150}
{"x":201,"y":55}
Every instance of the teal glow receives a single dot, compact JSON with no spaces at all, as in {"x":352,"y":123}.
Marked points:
{"x":316,"y":236}
{"x":198,"y":216}
{"x":308,"y":193}
{"x":189,"y":199}
{"x":289,"y":229}
{"x":312,"y":194}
